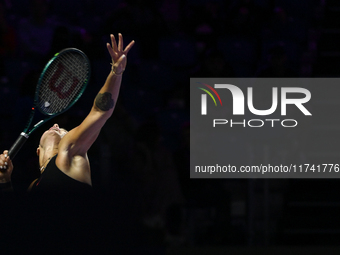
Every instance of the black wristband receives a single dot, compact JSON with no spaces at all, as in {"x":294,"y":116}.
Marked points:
{"x":5,"y":185}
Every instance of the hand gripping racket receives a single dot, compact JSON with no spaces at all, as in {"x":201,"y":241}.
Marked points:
{"x":60,"y":85}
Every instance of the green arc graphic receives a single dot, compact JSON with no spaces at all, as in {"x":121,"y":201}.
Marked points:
{"x":209,"y":94}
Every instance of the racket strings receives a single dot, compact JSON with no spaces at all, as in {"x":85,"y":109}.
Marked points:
{"x":63,"y":82}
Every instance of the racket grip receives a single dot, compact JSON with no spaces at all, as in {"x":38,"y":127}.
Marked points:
{"x":17,"y":145}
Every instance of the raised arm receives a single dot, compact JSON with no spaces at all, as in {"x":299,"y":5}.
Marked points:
{"x":80,"y":139}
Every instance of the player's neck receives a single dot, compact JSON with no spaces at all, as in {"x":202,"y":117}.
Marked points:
{"x":45,"y":160}
{"x":48,"y":153}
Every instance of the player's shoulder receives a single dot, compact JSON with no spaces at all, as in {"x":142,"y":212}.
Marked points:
{"x":76,"y":166}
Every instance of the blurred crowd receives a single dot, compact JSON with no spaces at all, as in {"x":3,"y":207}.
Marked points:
{"x":142,"y":154}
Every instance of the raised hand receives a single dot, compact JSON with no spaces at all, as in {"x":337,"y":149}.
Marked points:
{"x":6,"y":167}
{"x":118,"y":53}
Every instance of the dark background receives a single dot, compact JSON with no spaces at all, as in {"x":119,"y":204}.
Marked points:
{"x":140,"y":162}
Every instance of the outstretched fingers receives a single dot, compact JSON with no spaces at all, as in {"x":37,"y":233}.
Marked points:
{"x":113,"y":47}
{"x":118,"y":53}
{"x":114,"y":43}
{"x":127,"y":48}
{"x":109,"y":48}
{"x":118,"y":50}
{"x":120,"y":42}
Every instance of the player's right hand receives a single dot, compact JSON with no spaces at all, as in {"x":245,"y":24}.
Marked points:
{"x":6,"y":167}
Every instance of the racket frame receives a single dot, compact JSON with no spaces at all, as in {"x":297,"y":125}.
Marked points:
{"x":28,"y":130}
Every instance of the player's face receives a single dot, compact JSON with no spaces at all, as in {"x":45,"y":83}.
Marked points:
{"x":60,"y":131}
{"x":54,"y":134}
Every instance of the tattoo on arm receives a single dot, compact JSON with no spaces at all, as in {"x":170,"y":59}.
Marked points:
{"x":104,"y":101}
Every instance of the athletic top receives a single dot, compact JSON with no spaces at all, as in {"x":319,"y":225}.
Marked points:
{"x":58,"y":208}
{"x":56,"y":181}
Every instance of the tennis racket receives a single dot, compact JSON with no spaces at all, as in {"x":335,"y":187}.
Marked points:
{"x":61,"y":83}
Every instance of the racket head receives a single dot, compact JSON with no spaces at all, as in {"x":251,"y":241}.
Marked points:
{"x":62,"y":82}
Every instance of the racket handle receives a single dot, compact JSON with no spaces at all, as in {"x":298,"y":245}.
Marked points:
{"x":17,"y":145}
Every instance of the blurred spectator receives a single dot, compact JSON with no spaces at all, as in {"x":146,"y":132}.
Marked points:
{"x":24,"y":100}
{"x":213,"y":65}
{"x":245,"y":18}
{"x":36,"y":32}
{"x":157,"y":184}
{"x":60,"y":40}
{"x":204,"y":22}
{"x":277,"y":65}
{"x":8,"y":41}
{"x":283,"y":27}
{"x":170,"y":11}
{"x":182,"y":161}
{"x":141,"y":19}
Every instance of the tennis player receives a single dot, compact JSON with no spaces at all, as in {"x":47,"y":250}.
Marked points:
{"x":62,"y":155}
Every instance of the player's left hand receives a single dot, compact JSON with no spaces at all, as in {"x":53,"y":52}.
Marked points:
{"x":118,"y":53}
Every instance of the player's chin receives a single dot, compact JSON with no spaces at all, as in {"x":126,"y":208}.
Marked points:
{"x":52,"y":134}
